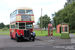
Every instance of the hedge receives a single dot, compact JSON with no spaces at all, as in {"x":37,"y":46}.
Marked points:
{"x":72,"y":31}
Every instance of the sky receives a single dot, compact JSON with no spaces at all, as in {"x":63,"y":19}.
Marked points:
{"x":48,"y":7}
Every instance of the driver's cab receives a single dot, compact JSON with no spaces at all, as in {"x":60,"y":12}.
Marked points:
{"x":24,"y":25}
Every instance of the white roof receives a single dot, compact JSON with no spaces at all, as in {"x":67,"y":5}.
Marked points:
{"x":25,"y":8}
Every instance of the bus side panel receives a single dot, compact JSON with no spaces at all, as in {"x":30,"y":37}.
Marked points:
{"x":19,"y":32}
{"x":16,"y":32}
{"x":12,"y":32}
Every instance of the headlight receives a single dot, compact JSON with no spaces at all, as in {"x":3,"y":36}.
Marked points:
{"x":31,"y":33}
{"x":21,"y":33}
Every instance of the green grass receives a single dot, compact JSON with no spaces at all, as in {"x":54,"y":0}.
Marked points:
{"x":4,"y":34}
{"x":56,"y":34}
{"x":74,"y":33}
{"x":5,"y":31}
{"x":38,"y":33}
{"x":2,"y":30}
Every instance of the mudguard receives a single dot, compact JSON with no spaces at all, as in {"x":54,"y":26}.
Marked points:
{"x":18,"y":35}
{"x":33,"y":34}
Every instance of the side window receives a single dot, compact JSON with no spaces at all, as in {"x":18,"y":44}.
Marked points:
{"x":13,"y":13}
{"x":12,"y":26}
{"x":16,"y":25}
{"x":29,"y":17}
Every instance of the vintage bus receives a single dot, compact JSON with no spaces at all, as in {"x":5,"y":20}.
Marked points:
{"x":21,"y":24}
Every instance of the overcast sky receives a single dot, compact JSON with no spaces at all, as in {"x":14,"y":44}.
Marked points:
{"x":48,"y":7}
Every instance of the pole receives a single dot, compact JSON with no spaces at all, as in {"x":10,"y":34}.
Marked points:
{"x":41,"y":20}
{"x":46,"y":32}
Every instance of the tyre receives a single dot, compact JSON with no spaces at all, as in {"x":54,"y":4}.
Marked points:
{"x":33,"y":38}
{"x":17,"y":39}
{"x":11,"y":37}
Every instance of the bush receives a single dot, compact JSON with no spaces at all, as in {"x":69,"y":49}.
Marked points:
{"x":0,"y":29}
{"x":72,"y":31}
{"x":4,"y":29}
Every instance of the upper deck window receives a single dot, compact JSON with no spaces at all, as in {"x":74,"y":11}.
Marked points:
{"x":21,"y":11}
{"x":13,"y":13}
{"x":29,"y":12}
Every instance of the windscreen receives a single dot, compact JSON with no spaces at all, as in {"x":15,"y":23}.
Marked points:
{"x":29,"y":26}
{"x":21,"y":25}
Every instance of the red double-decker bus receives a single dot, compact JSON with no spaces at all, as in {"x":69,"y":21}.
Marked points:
{"x":21,"y":24}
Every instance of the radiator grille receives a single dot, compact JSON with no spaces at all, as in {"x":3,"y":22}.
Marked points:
{"x":26,"y":33}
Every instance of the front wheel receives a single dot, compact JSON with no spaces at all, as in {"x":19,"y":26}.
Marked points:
{"x":17,"y":39}
{"x":33,"y":38}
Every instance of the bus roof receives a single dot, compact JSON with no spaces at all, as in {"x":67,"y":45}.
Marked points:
{"x":25,"y":8}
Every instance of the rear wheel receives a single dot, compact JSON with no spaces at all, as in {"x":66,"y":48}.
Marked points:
{"x":11,"y":35}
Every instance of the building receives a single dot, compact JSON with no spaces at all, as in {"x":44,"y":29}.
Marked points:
{"x":36,"y":27}
{"x":63,"y":29}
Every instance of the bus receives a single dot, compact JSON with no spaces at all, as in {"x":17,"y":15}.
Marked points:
{"x":21,"y":24}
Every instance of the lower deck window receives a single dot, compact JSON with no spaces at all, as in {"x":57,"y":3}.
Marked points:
{"x":12,"y":26}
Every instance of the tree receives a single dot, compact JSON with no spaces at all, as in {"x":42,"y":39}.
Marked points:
{"x":67,"y":15}
{"x":70,"y":1}
{"x":53,"y":15}
{"x":45,"y":21}
{"x":2,"y":25}
{"x":7,"y":26}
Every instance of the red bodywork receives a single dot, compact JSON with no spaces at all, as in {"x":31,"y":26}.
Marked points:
{"x":18,"y":32}
{"x":50,"y":34}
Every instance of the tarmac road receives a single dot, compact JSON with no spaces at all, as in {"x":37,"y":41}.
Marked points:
{"x":8,"y":44}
